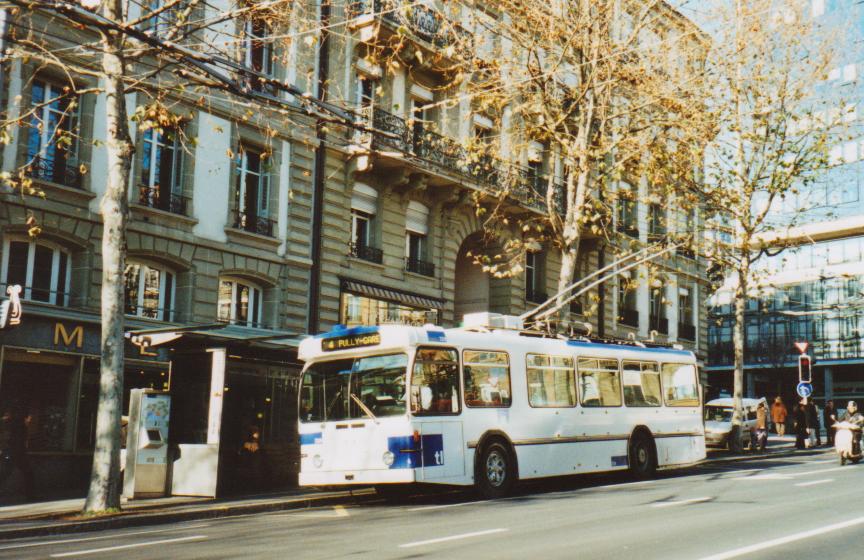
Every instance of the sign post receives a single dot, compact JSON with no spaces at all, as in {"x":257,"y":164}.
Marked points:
{"x":805,"y":371}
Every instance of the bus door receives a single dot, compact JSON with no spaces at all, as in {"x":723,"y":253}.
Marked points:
{"x":436,"y":405}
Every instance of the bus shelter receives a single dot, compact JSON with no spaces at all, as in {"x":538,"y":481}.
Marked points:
{"x":233,"y":413}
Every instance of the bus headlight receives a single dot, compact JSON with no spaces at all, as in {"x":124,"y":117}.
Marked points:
{"x":317,"y":461}
{"x":388,"y":458}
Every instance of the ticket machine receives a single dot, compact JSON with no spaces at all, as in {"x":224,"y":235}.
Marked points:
{"x":147,"y":444}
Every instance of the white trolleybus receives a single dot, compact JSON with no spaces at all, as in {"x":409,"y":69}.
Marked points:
{"x":489,"y":406}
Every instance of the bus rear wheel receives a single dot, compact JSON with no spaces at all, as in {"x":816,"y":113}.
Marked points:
{"x":643,"y":463}
{"x":496,"y":472}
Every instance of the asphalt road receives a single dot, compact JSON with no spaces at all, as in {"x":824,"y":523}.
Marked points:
{"x":804,"y":506}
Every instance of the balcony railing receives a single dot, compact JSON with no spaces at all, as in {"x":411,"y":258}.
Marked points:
{"x":534,"y":296}
{"x":629,"y":317}
{"x":366,"y":253}
{"x":59,"y":170}
{"x":419,"y":267}
{"x":659,"y":324}
{"x":423,"y":21}
{"x":394,"y":133}
{"x":628,"y":229}
{"x":153,"y":197}
{"x":253,"y":224}
{"x":687,"y":332}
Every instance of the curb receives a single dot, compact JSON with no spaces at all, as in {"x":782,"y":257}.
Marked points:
{"x":131,"y":519}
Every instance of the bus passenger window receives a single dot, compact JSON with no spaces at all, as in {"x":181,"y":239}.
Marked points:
{"x":551,"y":381}
{"x":641,"y":383}
{"x":599,"y":383}
{"x":487,"y":378}
{"x":679,"y":385}
{"x":435,"y":382}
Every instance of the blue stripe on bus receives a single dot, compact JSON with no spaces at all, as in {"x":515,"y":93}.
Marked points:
{"x":582,"y":344}
{"x":406,"y":455}
{"x":311,"y":439}
{"x":619,"y":461}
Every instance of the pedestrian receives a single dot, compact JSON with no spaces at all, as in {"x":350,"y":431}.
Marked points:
{"x":778,"y":416}
{"x":812,"y":415}
{"x":799,"y":417}
{"x":13,"y":450}
{"x":760,"y":433}
{"x":829,"y":417}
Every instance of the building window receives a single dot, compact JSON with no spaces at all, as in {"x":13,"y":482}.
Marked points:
{"x":162,"y":172}
{"x":253,"y":193}
{"x":534,"y":291}
{"x":659,"y":322}
{"x":627,"y":311}
{"x":627,"y":210}
{"x":149,"y":292}
{"x":239,"y":303}
{"x":686,"y":324}
{"x":364,"y":203}
{"x":51,"y":144}
{"x":42,"y":270}
{"x":362,"y":310}
{"x":259,"y":51}
{"x":416,"y":240}
{"x":164,"y":21}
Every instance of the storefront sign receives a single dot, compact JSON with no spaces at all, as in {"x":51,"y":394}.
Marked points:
{"x":350,"y":341}
{"x":74,"y":338}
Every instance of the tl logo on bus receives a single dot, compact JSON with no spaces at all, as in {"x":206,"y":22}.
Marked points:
{"x":407,"y":456}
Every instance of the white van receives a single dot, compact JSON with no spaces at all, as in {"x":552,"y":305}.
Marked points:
{"x":718,"y":421}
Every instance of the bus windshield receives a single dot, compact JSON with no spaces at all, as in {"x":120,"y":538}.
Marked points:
{"x":373,"y":386}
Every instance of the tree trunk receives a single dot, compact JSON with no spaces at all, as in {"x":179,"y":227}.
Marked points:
{"x":104,"y":492}
{"x":738,"y":350}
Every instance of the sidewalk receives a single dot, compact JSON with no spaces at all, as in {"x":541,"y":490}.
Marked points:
{"x":64,"y":516}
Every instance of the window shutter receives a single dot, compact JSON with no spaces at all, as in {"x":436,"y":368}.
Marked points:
{"x":364,"y":198}
{"x":417,"y":218}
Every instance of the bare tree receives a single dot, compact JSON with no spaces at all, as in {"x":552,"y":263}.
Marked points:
{"x":176,"y":53}
{"x":774,"y":133}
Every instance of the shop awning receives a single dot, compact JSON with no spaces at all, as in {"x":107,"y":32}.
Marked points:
{"x":217,"y":334}
{"x":389,"y":294}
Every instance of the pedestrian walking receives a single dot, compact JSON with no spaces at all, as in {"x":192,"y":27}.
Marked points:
{"x":778,"y":416}
{"x":829,"y":418}
{"x":13,"y":452}
{"x":812,"y":415}
{"x":799,"y":417}
{"x":759,"y":436}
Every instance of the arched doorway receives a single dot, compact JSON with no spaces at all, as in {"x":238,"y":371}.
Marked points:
{"x":471,"y":294}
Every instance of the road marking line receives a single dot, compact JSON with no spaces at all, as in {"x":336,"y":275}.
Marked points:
{"x":114,"y":536}
{"x":806,"y":473}
{"x":682,"y":502}
{"x":127,"y":546}
{"x":442,"y":506}
{"x":453,"y":538}
{"x":785,"y":540}
{"x":770,"y":476}
{"x":815,"y":482}
{"x":341,"y":511}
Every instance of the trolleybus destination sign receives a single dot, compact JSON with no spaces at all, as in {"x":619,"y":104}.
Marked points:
{"x":350,"y":341}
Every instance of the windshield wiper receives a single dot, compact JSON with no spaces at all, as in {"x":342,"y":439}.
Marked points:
{"x":363,"y":407}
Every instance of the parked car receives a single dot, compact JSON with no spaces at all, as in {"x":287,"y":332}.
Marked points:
{"x":718,"y":421}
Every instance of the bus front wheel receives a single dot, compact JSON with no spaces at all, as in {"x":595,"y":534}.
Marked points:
{"x":496,"y":472}
{"x":643,"y":463}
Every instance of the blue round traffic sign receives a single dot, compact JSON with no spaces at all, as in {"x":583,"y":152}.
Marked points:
{"x":804,"y":389}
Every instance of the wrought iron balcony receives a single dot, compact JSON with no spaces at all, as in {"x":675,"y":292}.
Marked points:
{"x":153,"y":197}
{"x":59,"y":170}
{"x":659,"y":324}
{"x":419,"y":267}
{"x":366,"y":253}
{"x":422,"y":21}
{"x":440,"y":150}
{"x":629,"y":317}
{"x":687,"y":332}
{"x":535,"y":296}
{"x":253,"y":224}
